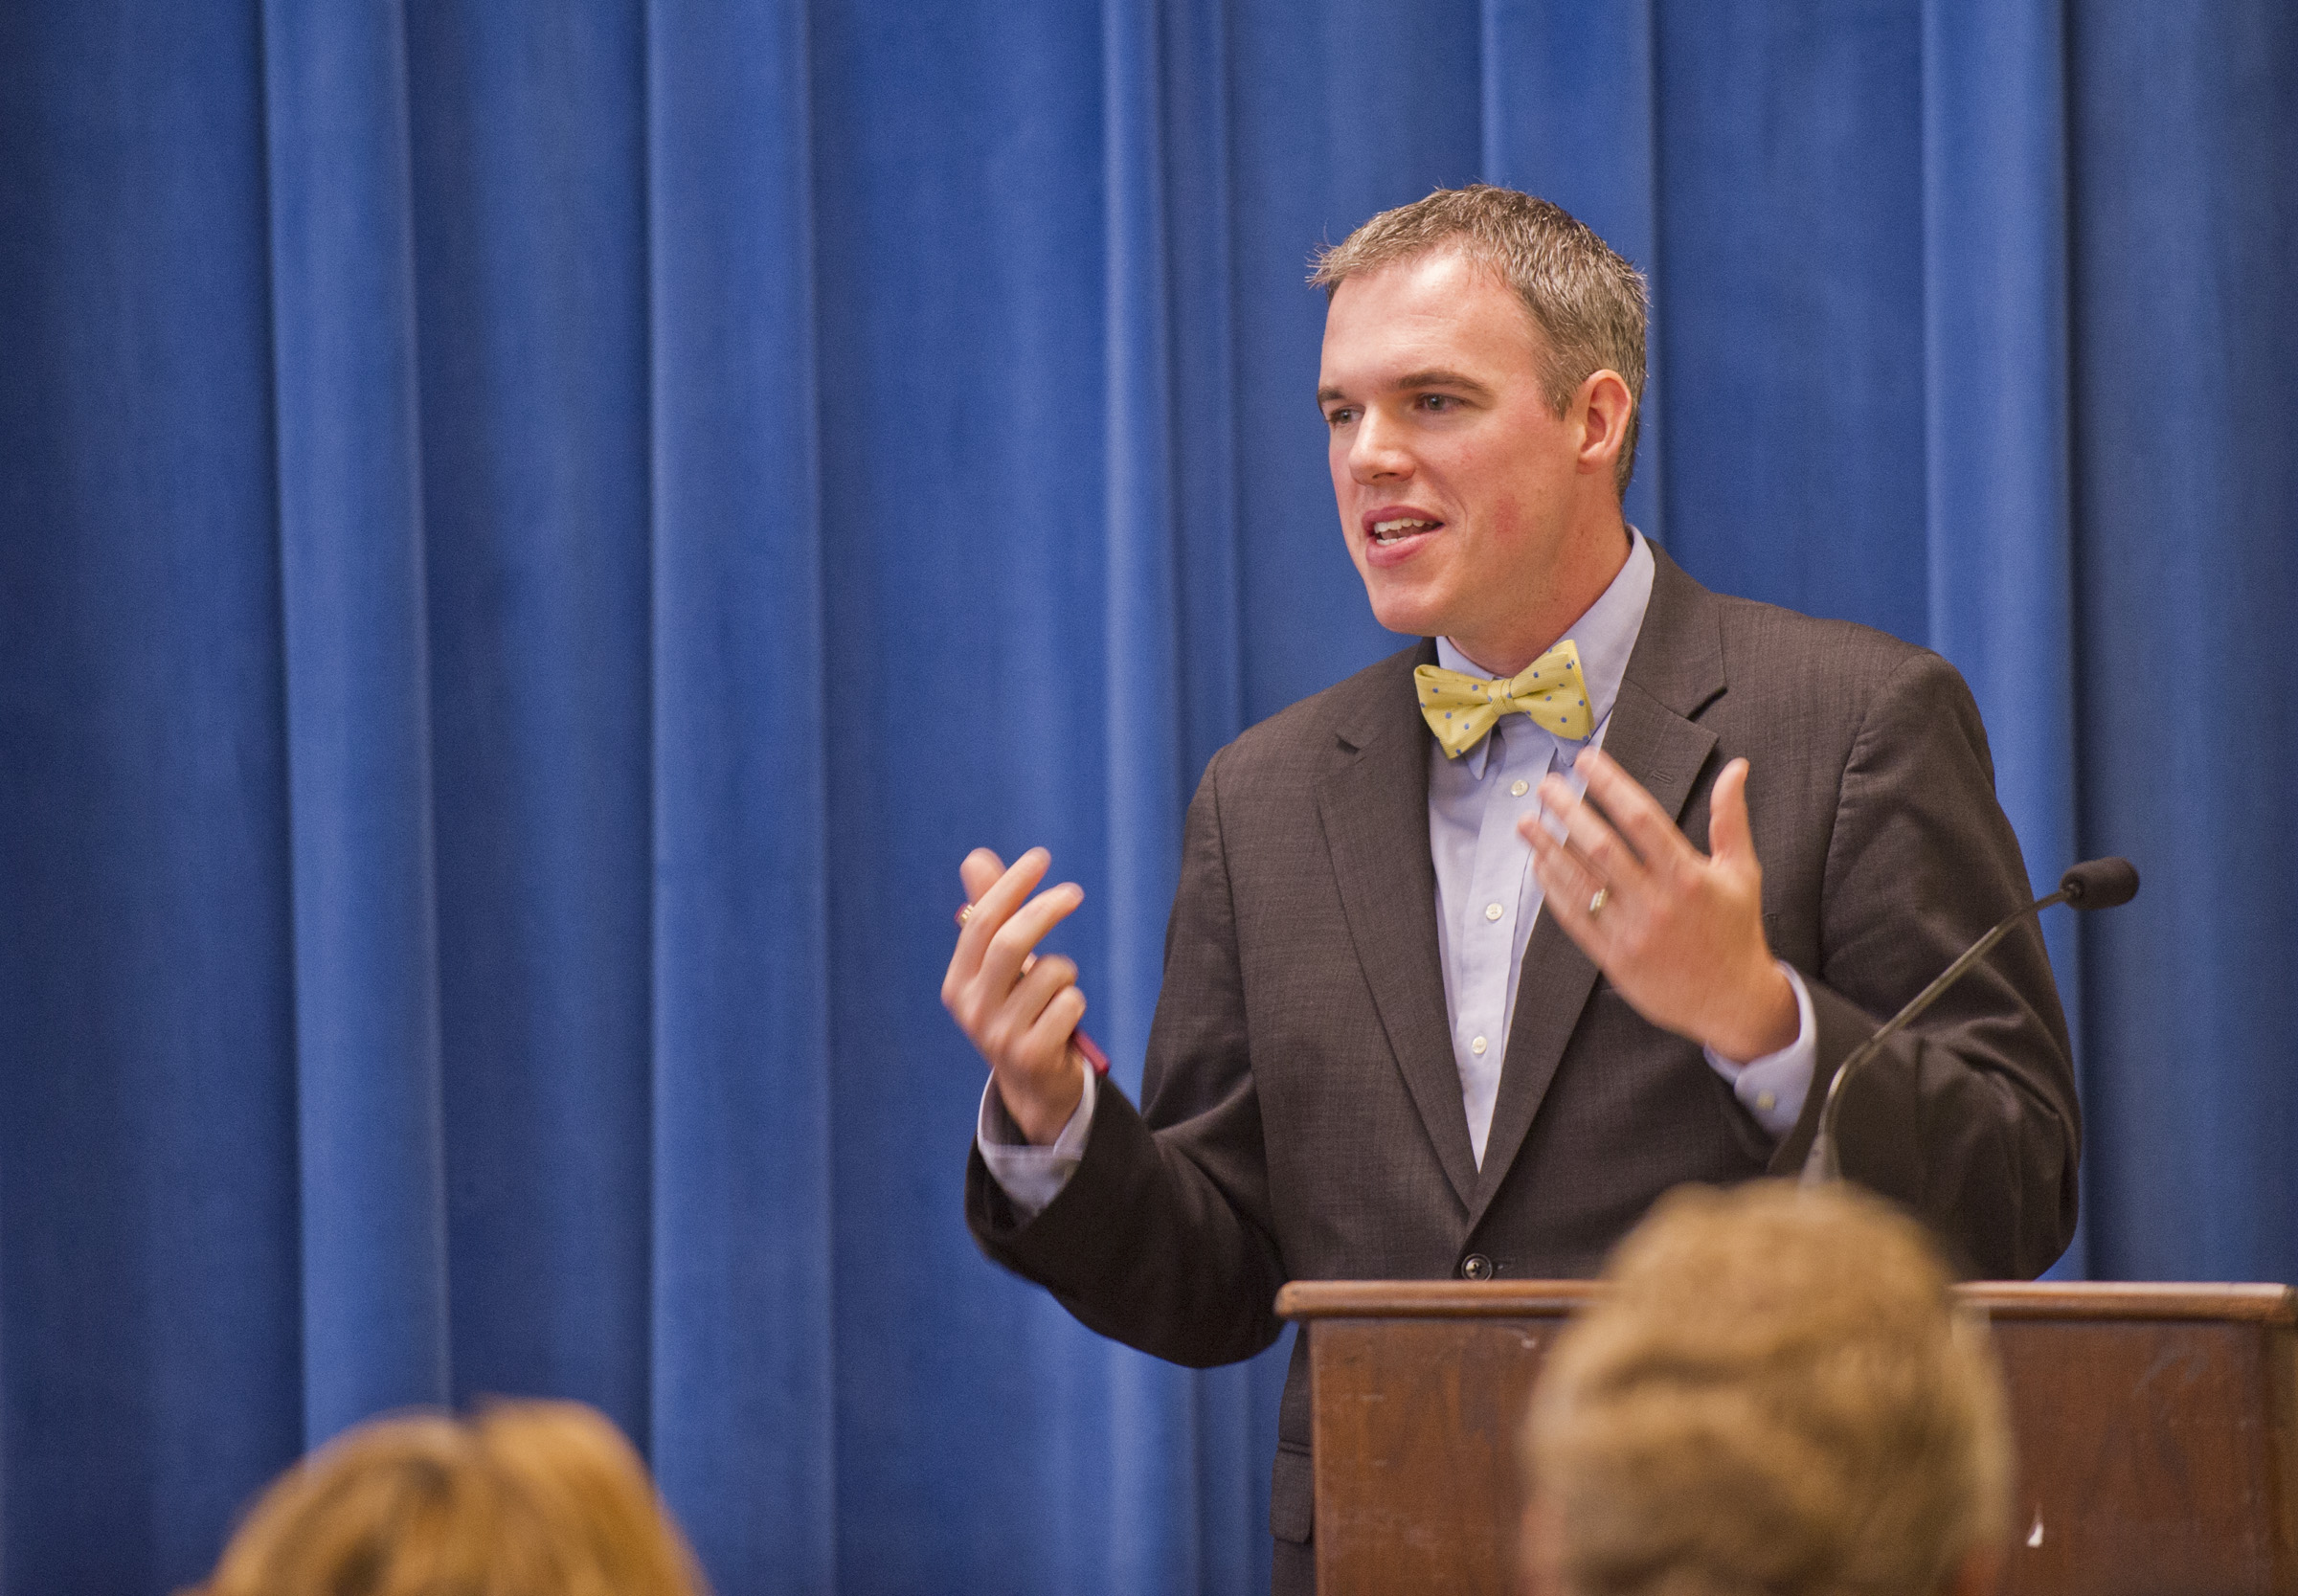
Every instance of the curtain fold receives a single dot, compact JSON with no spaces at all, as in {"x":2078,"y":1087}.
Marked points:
{"x":355,"y":644}
{"x":1566,"y":95}
{"x":1998,"y":516}
{"x":2184,"y":206}
{"x":1788,"y":320}
{"x":535,"y":536}
{"x":1152,"y":1542}
{"x":745,"y":1327}
{"x":150,"y":1279}
{"x":530,"y":273}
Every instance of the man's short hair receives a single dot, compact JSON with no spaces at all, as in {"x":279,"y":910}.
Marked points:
{"x":1590,"y":304}
{"x":1778,"y":1394}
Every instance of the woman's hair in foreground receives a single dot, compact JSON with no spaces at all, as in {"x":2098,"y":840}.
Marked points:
{"x":1777,"y":1394}
{"x":531,"y":1499}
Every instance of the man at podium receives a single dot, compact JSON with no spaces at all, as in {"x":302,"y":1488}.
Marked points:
{"x":1429,"y":1011}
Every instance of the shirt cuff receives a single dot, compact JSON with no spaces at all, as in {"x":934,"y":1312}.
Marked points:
{"x":1772,"y":1087}
{"x":1032,"y":1177}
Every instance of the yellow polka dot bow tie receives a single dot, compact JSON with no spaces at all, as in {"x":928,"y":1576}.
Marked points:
{"x":1460,"y":709}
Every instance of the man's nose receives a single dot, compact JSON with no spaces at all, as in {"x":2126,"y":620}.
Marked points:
{"x":1378,"y":453}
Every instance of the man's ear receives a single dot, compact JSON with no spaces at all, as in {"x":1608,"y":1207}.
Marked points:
{"x":1605,"y":406}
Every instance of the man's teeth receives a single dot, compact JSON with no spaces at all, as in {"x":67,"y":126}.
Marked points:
{"x":1384,"y":531}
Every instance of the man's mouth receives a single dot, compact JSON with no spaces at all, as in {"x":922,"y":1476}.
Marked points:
{"x":1389,"y":530}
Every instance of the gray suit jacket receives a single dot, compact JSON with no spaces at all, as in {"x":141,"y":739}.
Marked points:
{"x":1302,"y":1112}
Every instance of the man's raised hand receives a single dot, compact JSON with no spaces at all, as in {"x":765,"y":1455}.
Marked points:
{"x":1677,"y":932}
{"x":1018,"y":1010}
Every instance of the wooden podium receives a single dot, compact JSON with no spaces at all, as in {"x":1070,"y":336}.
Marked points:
{"x":2157,"y":1430}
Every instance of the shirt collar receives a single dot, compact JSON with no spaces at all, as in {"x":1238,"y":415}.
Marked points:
{"x":1605,"y":634}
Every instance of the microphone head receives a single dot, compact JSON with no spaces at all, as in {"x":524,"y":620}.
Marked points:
{"x":2100,"y":884}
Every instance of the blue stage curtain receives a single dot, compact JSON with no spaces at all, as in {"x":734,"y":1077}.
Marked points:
{"x":533,"y":536}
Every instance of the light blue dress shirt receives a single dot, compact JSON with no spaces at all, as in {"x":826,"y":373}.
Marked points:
{"x":1487,"y":896}
{"x":1487,"y":899}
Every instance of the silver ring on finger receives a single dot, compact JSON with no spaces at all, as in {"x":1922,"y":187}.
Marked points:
{"x":1595,"y":905}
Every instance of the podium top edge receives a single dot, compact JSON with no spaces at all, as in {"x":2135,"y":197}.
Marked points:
{"x":2009,"y":1300}
{"x":1430,"y":1299}
{"x":2133,"y":1299}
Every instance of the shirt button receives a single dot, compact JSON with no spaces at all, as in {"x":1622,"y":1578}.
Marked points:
{"x":1520,"y":789}
{"x":1766,"y":1101}
{"x":1492,"y":912}
{"x":1475,"y":1266}
{"x":1477,"y":1048}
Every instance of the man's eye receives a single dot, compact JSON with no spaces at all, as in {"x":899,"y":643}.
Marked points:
{"x":1340,"y":416}
{"x":1438,"y":402}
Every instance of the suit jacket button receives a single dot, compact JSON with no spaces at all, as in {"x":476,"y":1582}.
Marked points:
{"x":1475,"y":1266}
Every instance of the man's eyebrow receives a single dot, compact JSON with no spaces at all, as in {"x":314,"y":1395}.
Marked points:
{"x":1437,"y":376}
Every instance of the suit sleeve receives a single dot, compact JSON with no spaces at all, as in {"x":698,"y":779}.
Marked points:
{"x":1970,"y":1116}
{"x":1161,"y":1238}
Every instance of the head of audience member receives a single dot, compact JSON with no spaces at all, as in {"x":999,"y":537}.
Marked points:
{"x":1777,"y":1395}
{"x":529,"y":1498}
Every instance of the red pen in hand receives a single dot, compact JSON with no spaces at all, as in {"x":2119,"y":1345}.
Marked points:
{"x":1084,"y":1044}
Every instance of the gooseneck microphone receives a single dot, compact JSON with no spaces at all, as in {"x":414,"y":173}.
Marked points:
{"x":2093,"y":884}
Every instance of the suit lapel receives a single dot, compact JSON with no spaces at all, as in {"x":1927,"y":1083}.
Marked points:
{"x":1675,"y":668}
{"x":1374,"y":807}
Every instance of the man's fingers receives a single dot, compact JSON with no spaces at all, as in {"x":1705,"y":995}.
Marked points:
{"x":1009,"y":947}
{"x":990,"y":907}
{"x":979,"y":872}
{"x":1568,"y":883}
{"x":993,"y":890}
{"x":1019,"y":1010}
{"x":1592,"y":836}
{"x":1559,"y":866}
{"x":1039,"y":985}
{"x":1004,"y":894}
{"x":976,"y":873}
{"x":1055,"y":1024}
{"x":1040,"y":993}
{"x":1730,"y":840}
{"x":1013,"y":1013}
{"x":1646,"y":826}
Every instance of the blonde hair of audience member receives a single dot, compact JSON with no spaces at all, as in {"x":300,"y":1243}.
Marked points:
{"x":1777,"y":1394}
{"x":531,"y":1499}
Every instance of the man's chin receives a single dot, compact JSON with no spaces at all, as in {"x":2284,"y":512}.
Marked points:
{"x":1414,"y":617}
